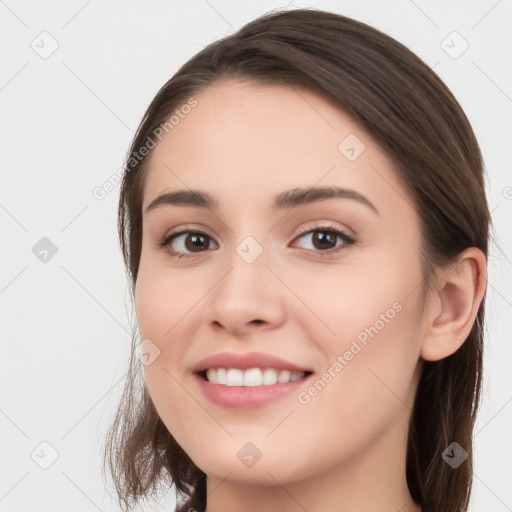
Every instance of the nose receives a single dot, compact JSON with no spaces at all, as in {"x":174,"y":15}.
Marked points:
{"x":247,"y":296}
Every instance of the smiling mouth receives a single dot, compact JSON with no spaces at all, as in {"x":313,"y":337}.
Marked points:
{"x":252,"y":377}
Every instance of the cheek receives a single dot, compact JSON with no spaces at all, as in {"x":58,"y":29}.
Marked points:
{"x":162,"y":301}
{"x":350,"y":301}
{"x":378,"y":337}
{"x":371,"y":349}
{"x":365,"y":387}
{"x":167,"y":322}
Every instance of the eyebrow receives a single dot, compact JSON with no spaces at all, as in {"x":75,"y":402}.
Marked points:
{"x":282,"y":201}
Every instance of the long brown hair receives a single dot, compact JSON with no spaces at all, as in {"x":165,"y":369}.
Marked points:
{"x":411,"y":113}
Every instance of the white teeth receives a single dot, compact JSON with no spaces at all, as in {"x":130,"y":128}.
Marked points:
{"x":221,"y":376}
{"x":269,"y":377}
{"x":252,"y":377}
{"x":284,"y":376}
{"x":234,"y":377}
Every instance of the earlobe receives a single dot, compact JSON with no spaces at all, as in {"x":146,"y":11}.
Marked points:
{"x":459,"y":292}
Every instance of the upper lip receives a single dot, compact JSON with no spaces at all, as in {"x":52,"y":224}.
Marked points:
{"x":246,"y":361}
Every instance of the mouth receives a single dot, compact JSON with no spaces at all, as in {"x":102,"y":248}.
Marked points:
{"x":251,"y":377}
{"x":248,"y":380}
{"x":236,"y":395}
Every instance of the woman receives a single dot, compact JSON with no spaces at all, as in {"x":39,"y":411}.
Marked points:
{"x":305,"y":228}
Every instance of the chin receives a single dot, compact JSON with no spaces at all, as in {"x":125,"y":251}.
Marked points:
{"x":232,"y":471}
{"x":240,"y":463}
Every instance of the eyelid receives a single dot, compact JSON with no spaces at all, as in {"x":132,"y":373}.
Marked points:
{"x":325,"y":225}
{"x":183,"y":229}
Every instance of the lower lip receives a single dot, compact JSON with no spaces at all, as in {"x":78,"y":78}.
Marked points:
{"x":247,"y":397}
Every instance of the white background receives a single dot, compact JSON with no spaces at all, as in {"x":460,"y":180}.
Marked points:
{"x":66,"y":123}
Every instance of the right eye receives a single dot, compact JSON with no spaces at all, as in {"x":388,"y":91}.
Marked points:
{"x":177,"y":244}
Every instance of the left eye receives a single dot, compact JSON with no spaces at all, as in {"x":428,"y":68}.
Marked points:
{"x":323,"y":238}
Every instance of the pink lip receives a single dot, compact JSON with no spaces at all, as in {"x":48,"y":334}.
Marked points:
{"x":241,"y":397}
{"x":246,"y":361}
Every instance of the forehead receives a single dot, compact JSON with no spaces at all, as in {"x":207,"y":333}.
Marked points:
{"x":247,"y":142}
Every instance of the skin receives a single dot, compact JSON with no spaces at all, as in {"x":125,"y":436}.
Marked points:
{"x":244,"y":143}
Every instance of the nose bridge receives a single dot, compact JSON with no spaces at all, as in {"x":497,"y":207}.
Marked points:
{"x":247,"y":265}
{"x":250,"y":249}
{"x":248,"y":240}
{"x":246,"y":291}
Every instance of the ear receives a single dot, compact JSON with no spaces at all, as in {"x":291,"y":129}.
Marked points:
{"x":457,"y":295}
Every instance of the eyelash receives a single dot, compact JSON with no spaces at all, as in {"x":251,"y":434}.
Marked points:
{"x":165,"y":242}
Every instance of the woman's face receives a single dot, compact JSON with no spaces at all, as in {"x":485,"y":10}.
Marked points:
{"x":257,"y":278}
